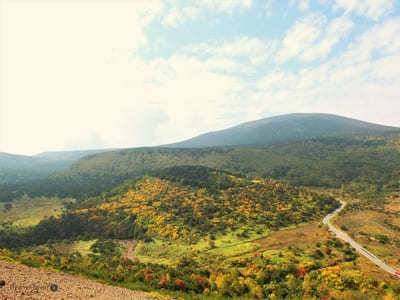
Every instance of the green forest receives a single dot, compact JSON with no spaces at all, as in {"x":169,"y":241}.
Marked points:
{"x":332,"y":162}
{"x":203,"y":220}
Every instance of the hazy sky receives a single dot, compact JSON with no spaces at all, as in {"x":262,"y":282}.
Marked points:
{"x":78,"y":74}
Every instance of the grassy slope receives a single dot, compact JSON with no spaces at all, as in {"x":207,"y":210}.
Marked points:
{"x":30,"y":211}
{"x":371,"y":226}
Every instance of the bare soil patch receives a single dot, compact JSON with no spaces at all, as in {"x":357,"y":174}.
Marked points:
{"x":22,"y":282}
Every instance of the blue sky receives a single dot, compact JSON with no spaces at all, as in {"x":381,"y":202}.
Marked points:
{"x":101,"y":73}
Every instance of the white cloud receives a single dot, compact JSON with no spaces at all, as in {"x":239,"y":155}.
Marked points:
{"x":355,"y":84}
{"x":227,"y":5}
{"x":278,"y":80}
{"x":77,"y":85}
{"x":335,"y":31}
{"x":309,"y":39}
{"x":58,"y":68}
{"x":176,"y":16}
{"x":70,"y":78}
{"x":302,"y":5}
{"x":255,"y":50}
{"x":221,"y":64}
{"x":267,"y":6}
{"x":374,"y":9}
{"x":192,"y":97}
{"x":300,"y":37}
{"x":178,"y":12}
{"x":381,"y":39}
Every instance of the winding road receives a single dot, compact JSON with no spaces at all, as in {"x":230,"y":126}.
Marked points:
{"x":345,"y":237}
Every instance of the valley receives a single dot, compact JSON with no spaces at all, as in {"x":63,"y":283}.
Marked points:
{"x":238,"y":221}
{"x":200,"y":150}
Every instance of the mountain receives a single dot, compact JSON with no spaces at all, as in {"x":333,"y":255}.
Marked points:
{"x":69,"y":155}
{"x":14,"y":161}
{"x":370,"y":158}
{"x":21,"y":168}
{"x":285,"y":128}
{"x":371,"y":163}
{"x":214,"y":222}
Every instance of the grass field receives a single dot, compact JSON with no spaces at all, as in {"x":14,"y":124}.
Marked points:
{"x":305,"y":236}
{"x":28,"y":211}
{"x":83,"y":247}
{"x":370,"y":230}
{"x":232,"y":244}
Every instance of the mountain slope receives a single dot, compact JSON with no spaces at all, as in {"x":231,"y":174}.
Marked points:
{"x":185,"y":202}
{"x":371,"y":159}
{"x":69,"y":155}
{"x":14,"y":161}
{"x":325,"y":162}
{"x":21,"y":168}
{"x":285,"y":128}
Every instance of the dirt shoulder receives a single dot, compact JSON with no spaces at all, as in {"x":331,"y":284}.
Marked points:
{"x":22,"y":282}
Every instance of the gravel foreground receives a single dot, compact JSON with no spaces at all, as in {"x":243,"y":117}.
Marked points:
{"x":22,"y":282}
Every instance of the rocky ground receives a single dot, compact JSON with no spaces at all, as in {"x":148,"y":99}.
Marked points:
{"x":22,"y":282}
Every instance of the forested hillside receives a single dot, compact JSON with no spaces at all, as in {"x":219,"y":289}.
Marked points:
{"x":285,"y":128}
{"x":19,"y":168}
{"x":192,"y":203}
{"x":359,"y":162}
{"x":70,"y":155}
{"x":217,"y":221}
{"x":16,"y":169}
{"x":199,"y":232}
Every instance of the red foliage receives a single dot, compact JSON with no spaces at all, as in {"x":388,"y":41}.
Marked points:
{"x":180,"y":284}
{"x":163,"y":280}
{"x":202,"y":281}
{"x":257,"y":254}
{"x":126,"y":260}
{"x":301,"y":272}
{"x":148,"y":274}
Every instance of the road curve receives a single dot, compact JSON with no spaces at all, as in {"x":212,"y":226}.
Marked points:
{"x":345,"y":237}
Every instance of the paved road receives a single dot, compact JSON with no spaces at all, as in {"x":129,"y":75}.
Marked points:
{"x":345,"y":237}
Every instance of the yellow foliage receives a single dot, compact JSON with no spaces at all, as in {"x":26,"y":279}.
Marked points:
{"x":221,"y":282}
{"x":63,"y":260}
{"x":389,"y":296}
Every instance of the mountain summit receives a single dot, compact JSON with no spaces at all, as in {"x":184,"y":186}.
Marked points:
{"x":284,"y":128}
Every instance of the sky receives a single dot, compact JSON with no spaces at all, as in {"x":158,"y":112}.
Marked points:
{"x":88,"y":74}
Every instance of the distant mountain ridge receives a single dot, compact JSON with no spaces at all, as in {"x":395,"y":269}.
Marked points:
{"x":15,"y":161}
{"x":284,"y":128}
{"x":22,"y":168}
{"x":70,"y":155}
{"x":304,"y":149}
